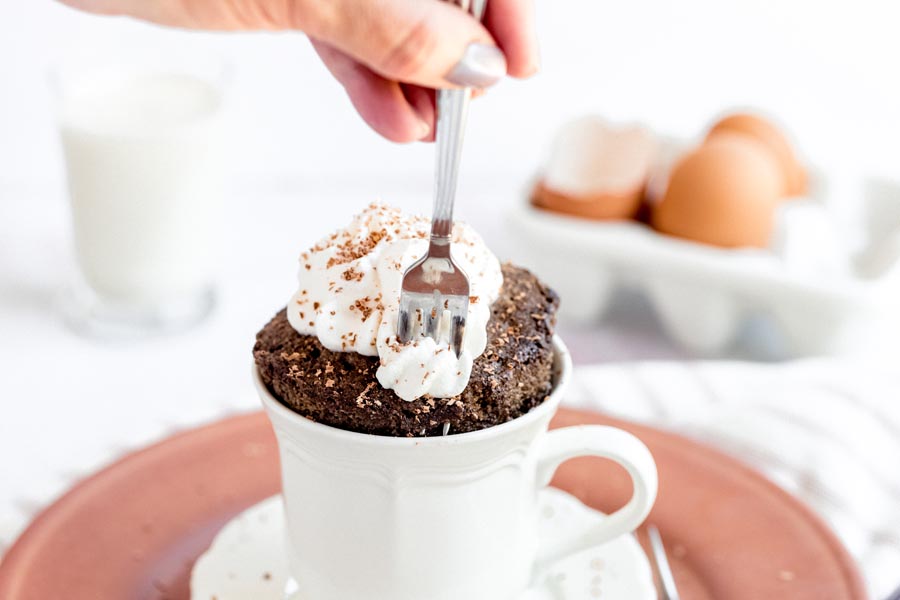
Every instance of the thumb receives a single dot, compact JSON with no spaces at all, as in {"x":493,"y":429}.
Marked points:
{"x":430,"y":43}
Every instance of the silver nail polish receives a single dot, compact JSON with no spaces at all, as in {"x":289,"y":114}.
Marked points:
{"x":481,"y":65}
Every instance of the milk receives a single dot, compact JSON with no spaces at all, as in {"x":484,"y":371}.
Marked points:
{"x":143,"y":152}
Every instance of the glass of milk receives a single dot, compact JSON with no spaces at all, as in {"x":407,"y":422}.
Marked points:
{"x":143,"y":146}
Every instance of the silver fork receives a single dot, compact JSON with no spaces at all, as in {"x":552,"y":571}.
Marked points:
{"x":660,"y":564}
{"x":435,"y":289}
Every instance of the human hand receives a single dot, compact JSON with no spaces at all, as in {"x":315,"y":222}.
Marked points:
{"x":388,"y":54}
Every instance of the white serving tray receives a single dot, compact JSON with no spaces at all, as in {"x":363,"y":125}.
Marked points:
{"x":703,"y":295}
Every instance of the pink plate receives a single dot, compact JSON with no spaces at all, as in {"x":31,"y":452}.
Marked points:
{"x":134,"y":529}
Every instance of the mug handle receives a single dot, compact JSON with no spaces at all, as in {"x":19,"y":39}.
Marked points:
{"x":605,"y":442}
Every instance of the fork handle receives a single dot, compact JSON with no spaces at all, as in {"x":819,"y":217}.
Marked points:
{"x":452,"y":110}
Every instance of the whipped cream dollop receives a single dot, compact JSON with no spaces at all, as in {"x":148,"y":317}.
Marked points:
{"x":349,"y":298}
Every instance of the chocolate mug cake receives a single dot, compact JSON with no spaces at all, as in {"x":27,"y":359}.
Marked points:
{"x":332,"y":354}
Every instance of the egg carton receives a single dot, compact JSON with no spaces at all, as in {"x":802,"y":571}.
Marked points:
{"x":830,"y":282}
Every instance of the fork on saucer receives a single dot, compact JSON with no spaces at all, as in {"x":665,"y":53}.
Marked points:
{"x":660,"y":565}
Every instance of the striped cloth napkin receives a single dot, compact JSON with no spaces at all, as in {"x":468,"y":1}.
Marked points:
{"x":827,"y":431}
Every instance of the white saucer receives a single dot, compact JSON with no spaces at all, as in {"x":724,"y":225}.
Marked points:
{"x":246,"y":560}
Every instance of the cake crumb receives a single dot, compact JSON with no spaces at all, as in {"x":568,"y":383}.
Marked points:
{"x":362,"y":307}
{"x":352,"y":274}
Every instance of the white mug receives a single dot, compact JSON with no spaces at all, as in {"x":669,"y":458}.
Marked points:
{"x":440,"y":518}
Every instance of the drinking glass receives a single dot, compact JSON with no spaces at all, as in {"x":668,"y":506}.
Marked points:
{"x":143,"y":141}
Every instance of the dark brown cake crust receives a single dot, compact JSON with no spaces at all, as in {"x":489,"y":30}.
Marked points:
{"x":340,"y":389}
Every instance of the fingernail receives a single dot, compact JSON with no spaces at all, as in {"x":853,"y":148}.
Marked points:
{"x":424,"y":129}
{"x":535,"y":66}
{"x":481,"y":65}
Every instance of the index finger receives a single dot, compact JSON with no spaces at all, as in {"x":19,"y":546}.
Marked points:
{"x":512,"y":23}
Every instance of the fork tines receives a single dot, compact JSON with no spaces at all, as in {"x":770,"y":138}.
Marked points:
{"x":433,"y":315}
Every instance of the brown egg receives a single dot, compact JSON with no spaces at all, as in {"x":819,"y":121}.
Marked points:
{"x":723,"y":193}
{"x":769,"y":134}
{"x":600,"y":206}
{"x":596,"y":170}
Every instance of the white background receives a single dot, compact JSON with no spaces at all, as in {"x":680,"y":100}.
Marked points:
{"x":302,"y":162}
{"x":827,"y":68}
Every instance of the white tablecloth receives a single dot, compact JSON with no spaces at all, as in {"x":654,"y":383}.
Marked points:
{"x":68,"y":405}
{"x":827,"y":431}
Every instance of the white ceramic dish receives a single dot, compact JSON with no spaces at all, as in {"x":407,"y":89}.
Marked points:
{"x":832,"y":295}
{"x":248,"y":560}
